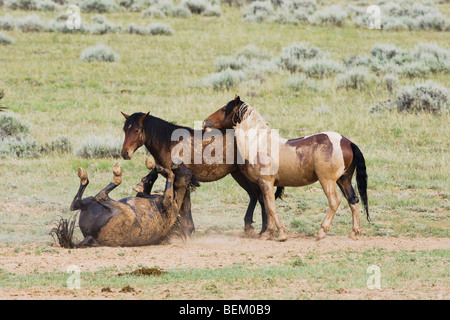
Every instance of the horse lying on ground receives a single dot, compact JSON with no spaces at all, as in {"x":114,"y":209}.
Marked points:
{"x":326,"y":157}
{"x":133,"y":221}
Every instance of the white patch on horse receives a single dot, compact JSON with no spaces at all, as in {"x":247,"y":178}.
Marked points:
{"x":337,"y":155}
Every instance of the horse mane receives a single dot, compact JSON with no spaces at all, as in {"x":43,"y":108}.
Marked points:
{"x":159,"y":131}
{"x":249,"y":118}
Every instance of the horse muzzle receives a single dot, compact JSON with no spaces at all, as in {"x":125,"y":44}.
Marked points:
{"x":127,"y":155}
{"x":207,"y":125}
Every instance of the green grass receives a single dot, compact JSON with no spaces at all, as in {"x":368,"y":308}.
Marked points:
{"x":46,"y":84}
{"x":326,"y":272}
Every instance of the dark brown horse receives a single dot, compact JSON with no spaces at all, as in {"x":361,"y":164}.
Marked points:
{"x":326,"y":157}
{"x":161,"y":139}
{"x":133,"y":221}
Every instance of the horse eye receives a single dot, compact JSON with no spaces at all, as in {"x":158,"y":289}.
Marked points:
{"x":137,"y":130}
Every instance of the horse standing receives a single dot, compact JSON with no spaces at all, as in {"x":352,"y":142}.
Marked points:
{"x":326,"y":157}
{"x":156,"y":135}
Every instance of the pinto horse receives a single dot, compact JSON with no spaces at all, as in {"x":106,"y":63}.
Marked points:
{"x":326,"y":157}
{"x":156,"y":135}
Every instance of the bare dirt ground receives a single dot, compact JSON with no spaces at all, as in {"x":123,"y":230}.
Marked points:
{"x":205,"y":251}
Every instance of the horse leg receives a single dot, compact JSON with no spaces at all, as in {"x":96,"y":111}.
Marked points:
{"x":334,"y":200}
{"x":263,"y":214}
{"x":168,"y":197}
{"x":187,"y":223}
{"x":246,"y":185}
{"x":84,"y":181}
{"x":117,"y":180}
{"x":349,"y":193}
{"x":271,"y":211}
{"x":144,"y":188}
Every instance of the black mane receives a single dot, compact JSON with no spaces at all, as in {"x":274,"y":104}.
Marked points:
{"x":155,"y":129}
{"x":231,"y":105}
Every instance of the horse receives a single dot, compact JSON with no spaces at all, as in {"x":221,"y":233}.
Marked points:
{"x":133,"y":221}
{"x":326,"y":157}
{"x":157,"y":136}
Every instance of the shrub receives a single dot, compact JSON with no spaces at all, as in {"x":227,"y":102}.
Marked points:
{"x":100,"y":147}
{"x":292,"y":57}
{"x":157,"y":28}
{"x":299,"y":82}
{"x":225,"y":79}
{"x":357,"y":61}
{"x":434,"y":57}
{"x":4,"y":39}
{"x":180,"y":12}
{"x":223,"y":63}
{"x":357,"y":78}
{"x":61,"y":145}
{"x":196,"y":6}
{"x":99,"y":6}
{"x":102,"y":26}
{"x":405,"y":14}
{"x":390,"y":81}
{"x":321,"y":68}
{"x":333,"y":15}
{"x":21,"y":4}
{"x":253,"y":52}
{"x":389,"y":53}
{"x":7,"y":23}
{"x":428,"y":96}
{"x":47,"y":5}
{"x":212,"y":11}
{"x":100,"y":52}
{"x":308,"y":6}
{"x":259,"y":11}
{"x":31,"y":23}
{"x":415,"y":69}
{"x":135,"y":29}
{"x":11,"y":126}
{"x":20,"y":146}
{"x":153,"y":12}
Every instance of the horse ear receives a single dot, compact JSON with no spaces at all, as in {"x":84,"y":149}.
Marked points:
{"x":125,"y":115}
{"x":237,"y":99}
{"x":142,"y":118}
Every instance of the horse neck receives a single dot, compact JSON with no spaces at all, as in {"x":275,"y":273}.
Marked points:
{"x":253,"y":131}
{"x":158,"y":142}
{"x":172,"y":213}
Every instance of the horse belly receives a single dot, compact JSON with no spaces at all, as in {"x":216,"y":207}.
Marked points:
{"x":295,"y":173}
{"x":140,"y":225}
{"x":210,"y":172}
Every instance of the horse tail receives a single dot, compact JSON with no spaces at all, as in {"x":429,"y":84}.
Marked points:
{"x":279,"y":193}
{"x":361,"y":176}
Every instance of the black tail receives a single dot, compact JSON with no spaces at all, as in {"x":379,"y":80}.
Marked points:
{"x":361,"y":177}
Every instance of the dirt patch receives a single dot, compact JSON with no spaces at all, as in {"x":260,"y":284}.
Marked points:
{"x":144,"y":271}
{"x":212,"y":251}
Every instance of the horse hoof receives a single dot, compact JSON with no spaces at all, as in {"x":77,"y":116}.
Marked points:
{"x":82,"y":174}
{"x":282,"y":237}
{"x":354,"y":235}
{"x":149,"y":163}
{"x":320,"y":234}
{"x":266,"y":235}
{"x":249,"y":230}
{"x":117,"y":171}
